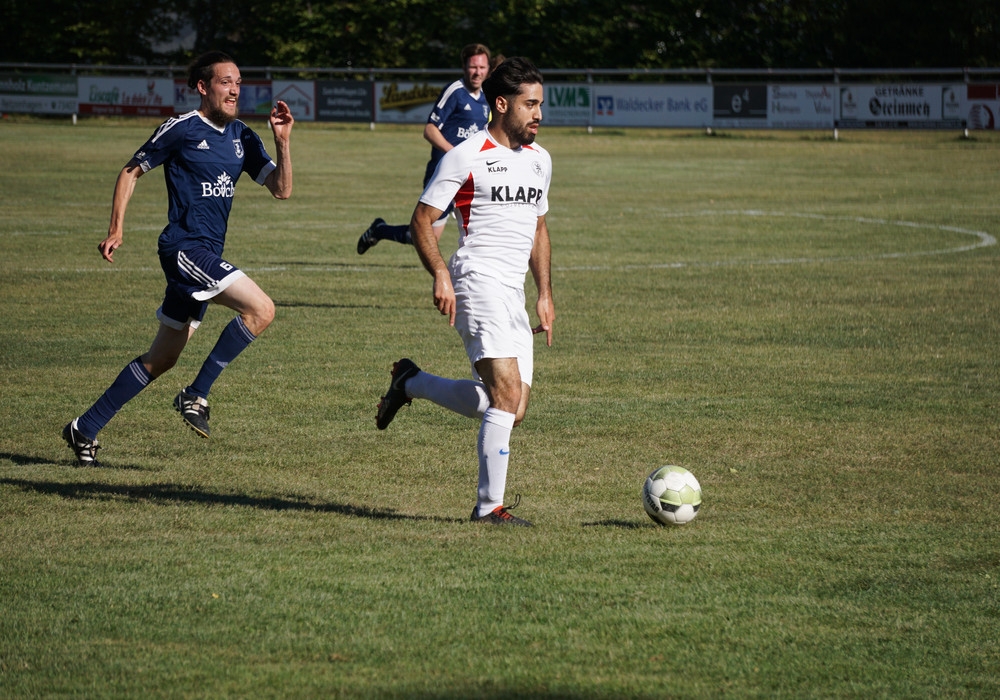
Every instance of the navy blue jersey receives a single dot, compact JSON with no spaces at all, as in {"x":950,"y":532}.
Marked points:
{"x":458,"y":115}
{"x":202,"y":163}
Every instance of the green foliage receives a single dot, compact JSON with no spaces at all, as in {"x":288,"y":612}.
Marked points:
{"x":555,"y":33}
{"x":788,"y":316}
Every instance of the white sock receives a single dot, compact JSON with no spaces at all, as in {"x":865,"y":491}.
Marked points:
{"x":494,"y":452}
{"x":463,"y":396}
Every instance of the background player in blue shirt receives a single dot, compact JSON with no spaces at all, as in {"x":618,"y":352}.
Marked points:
{"x":203,"y":154}
{"x":460,"y":111}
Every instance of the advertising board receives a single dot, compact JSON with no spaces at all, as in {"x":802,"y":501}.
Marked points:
{"x":398,"y":102}
{"x":38,"y":93}
{"x":345,"y":101}
{"x":141,"y":97}
{"x":901,"y":106}
{"x":652,"y":105}
{"x":794,"y":106}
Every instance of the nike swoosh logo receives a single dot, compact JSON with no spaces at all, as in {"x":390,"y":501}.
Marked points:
{"x":505,"y":452}
{"x":399,"y":381}
{"x":491,"y":162}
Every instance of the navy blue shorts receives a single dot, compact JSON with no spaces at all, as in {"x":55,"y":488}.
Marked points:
{"x":194,"y":277}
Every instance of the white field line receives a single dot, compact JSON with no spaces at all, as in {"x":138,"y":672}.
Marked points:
{"x":982,"y":240}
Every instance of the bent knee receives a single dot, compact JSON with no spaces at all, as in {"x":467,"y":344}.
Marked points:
{"x":260,"y":317}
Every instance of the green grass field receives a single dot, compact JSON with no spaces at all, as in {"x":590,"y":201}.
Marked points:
{"x":810,"y":326}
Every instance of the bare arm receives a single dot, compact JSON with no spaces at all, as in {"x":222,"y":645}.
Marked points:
{"x":426,"y":243}
{"x":540,"y":264}
{"x":436,"y":138}
{"x":124,"y":187}
{"x":279,"y":180}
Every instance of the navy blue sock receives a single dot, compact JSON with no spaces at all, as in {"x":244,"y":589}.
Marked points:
{"x":234,"y":339}
{"x":133,"y":379}
{"x":400,"y":233}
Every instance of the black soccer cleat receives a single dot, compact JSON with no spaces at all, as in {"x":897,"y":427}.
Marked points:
{"x":396,"y":397}
{"x":194,"y":411}
{"x":83,"y":447}
{"x":501,"y":516}
{"x":368,"y":238}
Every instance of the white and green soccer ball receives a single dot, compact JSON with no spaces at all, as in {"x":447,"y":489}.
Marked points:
{"x":671,"y":496}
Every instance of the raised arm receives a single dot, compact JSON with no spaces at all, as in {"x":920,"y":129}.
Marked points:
{"x":124,"y":187}
{"x":540,"y":264}
{"x":279,"y":181}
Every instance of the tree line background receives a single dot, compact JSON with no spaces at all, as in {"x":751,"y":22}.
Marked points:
{"x":554,"y":33}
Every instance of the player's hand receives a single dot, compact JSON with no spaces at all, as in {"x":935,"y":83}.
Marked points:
{"x":546,"y":315}
{"x":108,"y":247}
{"x":444,"y":296}
{"x":281,"y":119}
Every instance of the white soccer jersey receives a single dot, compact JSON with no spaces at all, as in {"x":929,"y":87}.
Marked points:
{"x":499,"y":194}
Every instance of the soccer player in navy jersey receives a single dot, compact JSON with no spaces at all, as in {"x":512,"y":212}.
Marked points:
{"x":203,"y":154}
{"x":461,"y":111}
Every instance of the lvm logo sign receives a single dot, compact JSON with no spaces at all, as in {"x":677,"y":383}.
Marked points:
{"x":567,"y":104}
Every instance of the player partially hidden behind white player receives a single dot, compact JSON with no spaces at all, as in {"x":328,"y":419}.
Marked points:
{"x":499,"y":180}
{"x":461,"y":111}
{"x":203,"y":154}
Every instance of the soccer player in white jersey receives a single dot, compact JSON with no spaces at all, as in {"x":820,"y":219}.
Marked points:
{"x":499,"y":180}
{"x":203,"y":153}
{"x":460,"y":112}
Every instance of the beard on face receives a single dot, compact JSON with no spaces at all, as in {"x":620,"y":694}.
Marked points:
{"x":221,"y":118}
{"x":518,"y":134}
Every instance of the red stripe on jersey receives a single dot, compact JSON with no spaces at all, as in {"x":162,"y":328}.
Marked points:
{"x":463,"y":202}
{"x":487,"y":145}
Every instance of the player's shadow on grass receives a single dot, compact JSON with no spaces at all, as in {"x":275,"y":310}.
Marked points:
{"x":176,"y":493}
{"x":410,"y":266}
{"x":26,"y":460}
{"x":318,"y":305}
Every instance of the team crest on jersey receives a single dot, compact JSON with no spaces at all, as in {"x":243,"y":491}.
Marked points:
{"x":537,"y":167}
{"x":238,"y":146}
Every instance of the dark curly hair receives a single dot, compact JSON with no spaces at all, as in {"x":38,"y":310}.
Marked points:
{"x":507,"y":78}
{"x":203,"y":67}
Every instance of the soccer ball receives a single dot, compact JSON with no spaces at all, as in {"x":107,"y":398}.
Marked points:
{"x":671,"y":496}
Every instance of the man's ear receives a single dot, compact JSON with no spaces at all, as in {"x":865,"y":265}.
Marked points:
{"x":202,"y":88}
{"x":502,"y":104}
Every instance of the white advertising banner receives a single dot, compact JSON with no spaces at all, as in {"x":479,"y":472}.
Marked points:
{"x":653,"y":105}
{"x":800,"y":106}
{"x":901,"y":106}
{"x":983,"y":106}
{"x":143,"y":97}
{"x":405,"y":103}
{"x":300,"y":96}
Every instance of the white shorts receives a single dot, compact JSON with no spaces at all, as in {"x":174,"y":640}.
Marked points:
{"x":491,"y":318}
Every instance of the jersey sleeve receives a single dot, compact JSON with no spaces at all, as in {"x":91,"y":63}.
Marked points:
{"x":166,"y":140}
{"x":443,"y":108}
{"x":453,"y":171}
{"x":257,"y":163}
